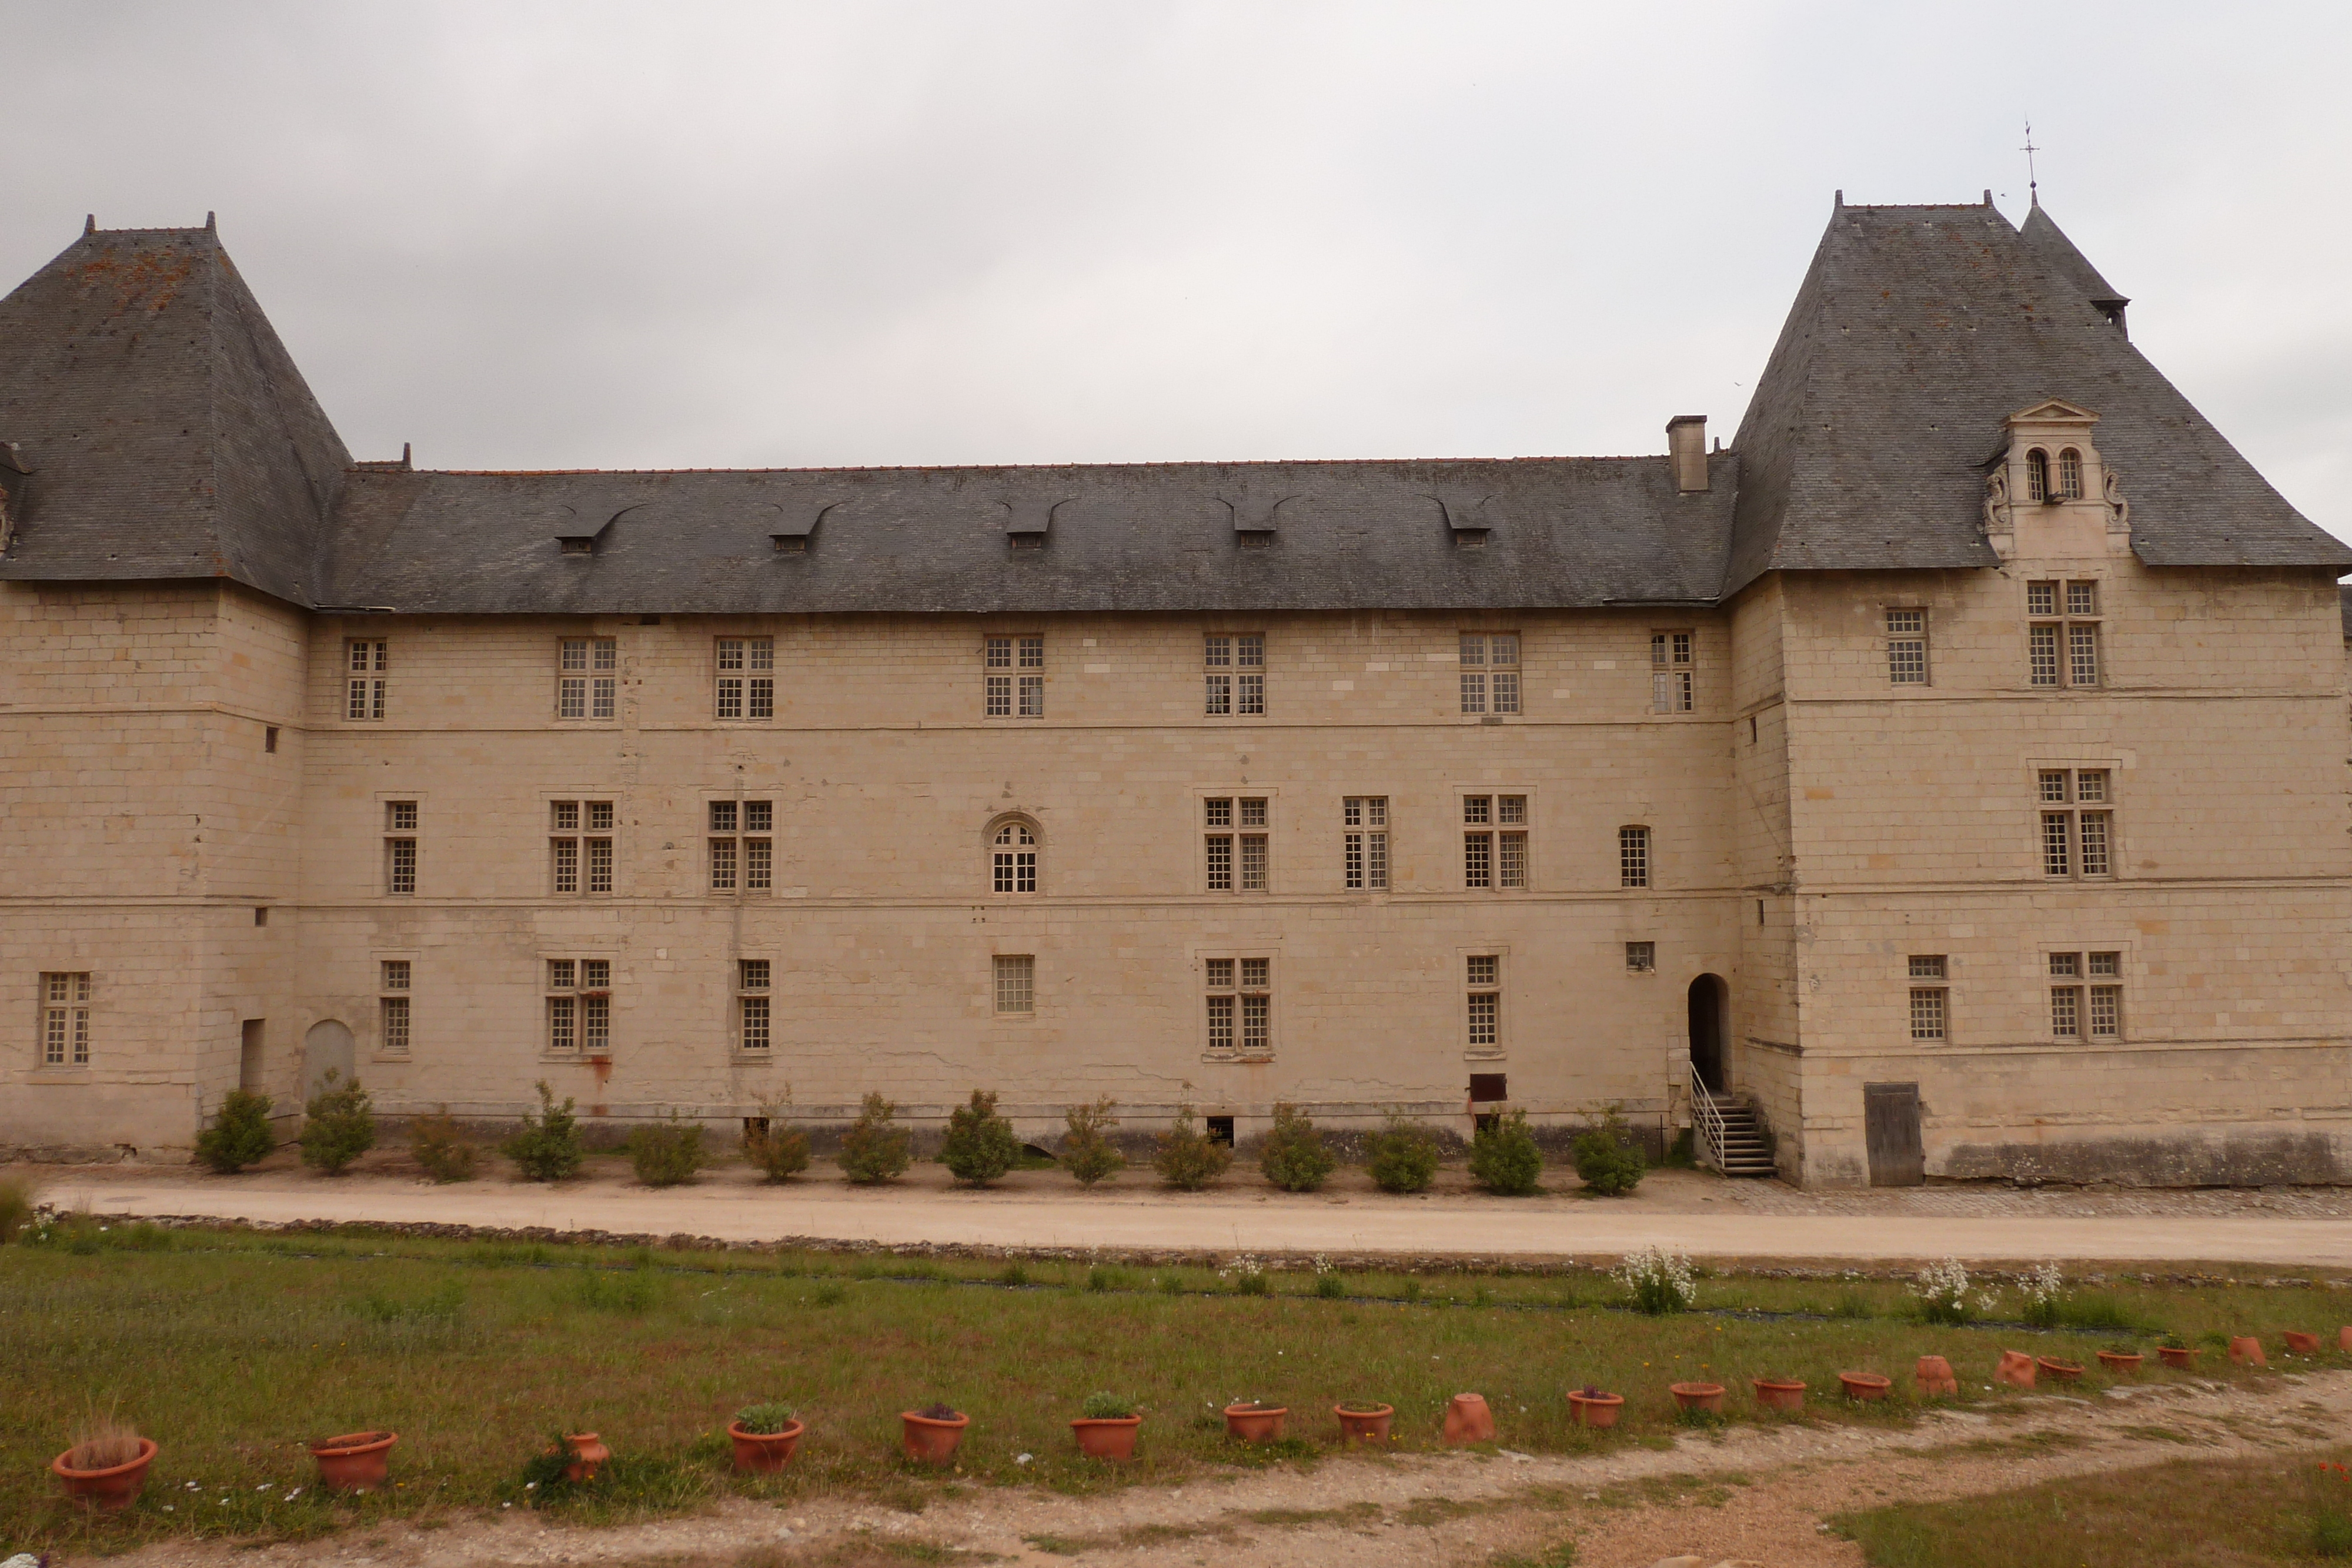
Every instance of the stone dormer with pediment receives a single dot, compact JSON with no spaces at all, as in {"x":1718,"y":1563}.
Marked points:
{"x":2048,"y":494}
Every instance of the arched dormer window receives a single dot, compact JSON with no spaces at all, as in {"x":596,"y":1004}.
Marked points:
{"x":1012,"y":855}
{"x":2037,"y":475}
{"x":2070,"y":474}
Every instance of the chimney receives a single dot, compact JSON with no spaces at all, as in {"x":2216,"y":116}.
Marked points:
{"x":1686,"y":450}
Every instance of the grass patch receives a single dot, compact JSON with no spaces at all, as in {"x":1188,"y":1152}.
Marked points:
{"x":2184,"y":1514}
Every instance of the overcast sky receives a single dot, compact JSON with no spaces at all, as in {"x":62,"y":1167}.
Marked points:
{"x":706,"y":235}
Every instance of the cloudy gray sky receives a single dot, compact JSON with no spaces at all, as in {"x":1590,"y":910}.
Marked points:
{"x":688,"y":234}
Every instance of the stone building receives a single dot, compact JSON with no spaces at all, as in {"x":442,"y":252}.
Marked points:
{"x":1949,"y":770}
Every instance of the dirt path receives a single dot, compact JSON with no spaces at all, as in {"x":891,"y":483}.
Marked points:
{"x":1687,"y":1210}
{"x":1750,"y":1493}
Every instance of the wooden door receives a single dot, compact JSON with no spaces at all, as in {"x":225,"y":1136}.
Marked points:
{"x":1890,"y":1122}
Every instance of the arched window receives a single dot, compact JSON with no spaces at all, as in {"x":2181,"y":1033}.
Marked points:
{"x":2070,"y":474}
{"x":2037,"y":475}
{"x":1014,"y":858}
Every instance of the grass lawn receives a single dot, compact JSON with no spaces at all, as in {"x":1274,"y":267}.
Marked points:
{"x":2196,"y":1513}
{"x":231,"y":1349}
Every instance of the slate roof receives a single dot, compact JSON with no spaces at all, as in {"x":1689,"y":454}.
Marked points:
{"x":168,"y":433}
{"x":1916,"y":333}
{"x":170,"y":436}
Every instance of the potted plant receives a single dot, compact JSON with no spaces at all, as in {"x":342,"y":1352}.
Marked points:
{"x":764,"y":1437}
{"x":2124,"y":1363}
{"x":2177,"y":1352}
{"x":1702,"y":1397}
{"x":587,"y":1454}
{"x":1588,"y":1406}
{"x":1935,"y":1376}
{"x":1779,"y":1393}
{"x":2247,"y":1351}
{"x":1864,"y":1384}
{"x":1468,"y":1420}
{"x":2059,"y":1371}
{"x":930,"y":1434}
{"x":1106,"y":1427}
{"x":1362,"y":1421}
{"x":1254,"y":1421}
{"x":2302,"y":1343}
{"x":356,"y":1462}
{"x":106,"y":1466}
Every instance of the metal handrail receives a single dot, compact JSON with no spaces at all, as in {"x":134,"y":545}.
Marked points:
{"x":1709,"y":1121}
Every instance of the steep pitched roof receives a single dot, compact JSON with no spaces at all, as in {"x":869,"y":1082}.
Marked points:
{"x":1145,"y":536}
{"x":168,"y":433}
{"x":2042,"y":235}
{"x":1916,"y":333}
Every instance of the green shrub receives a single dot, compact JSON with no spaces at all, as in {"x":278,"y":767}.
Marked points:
{"x":1404,"y":1156}
{"x":339,"y":1127}
{"x":777,"y":1149}
{"x":979,"y":1146}
{"x":437,"y":1144}
{"x":16,"y":1196}
{"x":1608,"y":1162}
{"x":1504,"y":1158}
{"x":874,"y":1149}
{"x":1088,"y":1152}
{"x":547,"y":1149}
{"x":239,"y":1135}
{"x":1294,"y":1158}
{"x":766,"y":1419}
{"x":1189,"y":1159}
{"x":1331,"y":1287}
{"x":665,"y":1153}
{"x":1103,"y":1405}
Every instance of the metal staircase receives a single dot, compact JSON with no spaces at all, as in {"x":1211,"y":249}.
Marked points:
{"x":1728,"y":1139}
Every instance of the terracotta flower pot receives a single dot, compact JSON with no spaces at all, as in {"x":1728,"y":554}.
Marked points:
{"x":2059,"y":1371}
{"x":1595,"y":1409}
{"x":2016,"y":1369}
{"x":1707,"y":1396}
{"x":1865,"y":1384}
{"x":2247,"y":1351}
{"x":930,"y":1439}
{"x":2302,"y":1343}
{"x":2122,"y":1362}
{"x":588,"y":1456}
{"x":1364,"y":1426}
{"x":1467,"y":1419}
{"x":1107,"y":1436}
{"x":1935,"y":1376}
{"x":116,"y":1486}
{"x":2343,"y":1338}
{"x":2177,"y":1356}
{"x":1775,"y":1395}
{"x":764,"y":1453}
{"x":1254,"y":1423}
{"x":356,"y":1462}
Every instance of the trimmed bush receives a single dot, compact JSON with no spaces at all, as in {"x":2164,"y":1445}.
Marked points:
{"x":340,"y":1126}
{"x":1088,"y":1152}
{"x":548,"y":1147}
{"x":1504,"y":1158}
{"x":979,"y":1146}
{"x":239,"y":1135}
{"x":874,"y":1149}
{"x":666,"y":1154}
{"x":1608,"y":1162}
{"x":437,"y":1143}
{"x":1294,"y":1158}
{"x":1189,"y":1159}
{"x":1404,"y":1156}
{"x":778,"y":1149}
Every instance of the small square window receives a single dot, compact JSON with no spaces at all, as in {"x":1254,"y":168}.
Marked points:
{"x":1218,"y":813}
{"x":1220,"y":974}
{"x":2042,"y":599}
{"x":1483,"y":968}
{"x":1254,"y":972}
{"x":2082,"y":598}
{"x":1641,"y":957}
{"x":1253,"y":812}
{"x":1928,"y":966}
{"x":395,"y":974}
{"x":2066,"y":966}
{"x":752,"y":973}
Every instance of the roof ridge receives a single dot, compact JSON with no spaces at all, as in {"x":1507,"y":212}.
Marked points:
{"x":1010,"y":467}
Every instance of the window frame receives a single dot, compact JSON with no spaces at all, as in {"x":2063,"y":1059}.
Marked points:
{"x":754,"y":676}
{"x":1900,"y":671}
{"x":395,"y":994}
{"x":1238,"y":830}
{"x":2068,"y":630}
{"x":1674,"y":670}
{"x":1021,"y":686}
{"x":1488,"y":990}
{"x":2077,"y":821}
{"x":1641,"y":957}
{"x":747,"y":851}
{"x":1929,"y":977}
{"x":585,"y":1005}
{"x":2094,"y":976}
{"x":367,"y":662}
{"x":583,"y":839}
{"x":402,"y":849}
{"x":754,"y":1008}
{"x":1238,"y":977}
{"x":1365,"y":847}
{"x":1013,"y":975}
{"x":1491,"y":685}
{"x":65,"y":1009}
{"x":1637,"y":857}
{"x":1492,"y":834}
{"x":1232,"y":681}
{"x":597,"y":678}
{"x":998,"y":855}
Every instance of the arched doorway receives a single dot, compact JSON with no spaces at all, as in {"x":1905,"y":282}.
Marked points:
{"x":326,"y":1046}
{"x":1709,"y":1009}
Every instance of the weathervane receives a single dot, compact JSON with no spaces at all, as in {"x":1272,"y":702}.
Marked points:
{"x":2032,"y":186}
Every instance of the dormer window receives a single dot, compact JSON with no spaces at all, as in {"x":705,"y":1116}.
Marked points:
{"x":2070,"y":474}
{"x":791,"y":544}
{"x":2037,"y":476}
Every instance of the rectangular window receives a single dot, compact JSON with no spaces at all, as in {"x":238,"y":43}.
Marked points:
{"x":580,"y":1005}
{"x":751,"y":1005}
{"x":1016,"y":983}
{"x":742,"y":852}
{"x":2076,"y":841}
{"x":1364,"y":852}
{"x":1484,"y":975}
{"x":1672,"y":672}
{"x":399,"y":848}
{"x":1234,"y":677}
{"x":747,"y":677}
{"x":1907,"y":647}
{"x":1235,"y":861}
{"x":1633,"y":857}
{"x":1931,"y":1002}
{"x":2076,"y":629}
{"x":1641,"y":957}
{"x":1494,"y":841}
{"x":366,"y":662}
{"x":392,"y":1005}
{"x":1490,"y":671}
{"x":587,"y":678}
{"x":65,"y":1020}
{"x":2066,"y":1001}
{"x":1240,"y":1004}
{"x":2107,"y":1008}
{"x":1012,"y":692}
{"x":580,"y":847}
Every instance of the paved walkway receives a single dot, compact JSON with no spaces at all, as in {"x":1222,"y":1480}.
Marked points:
{"x":1693,"y":1213}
